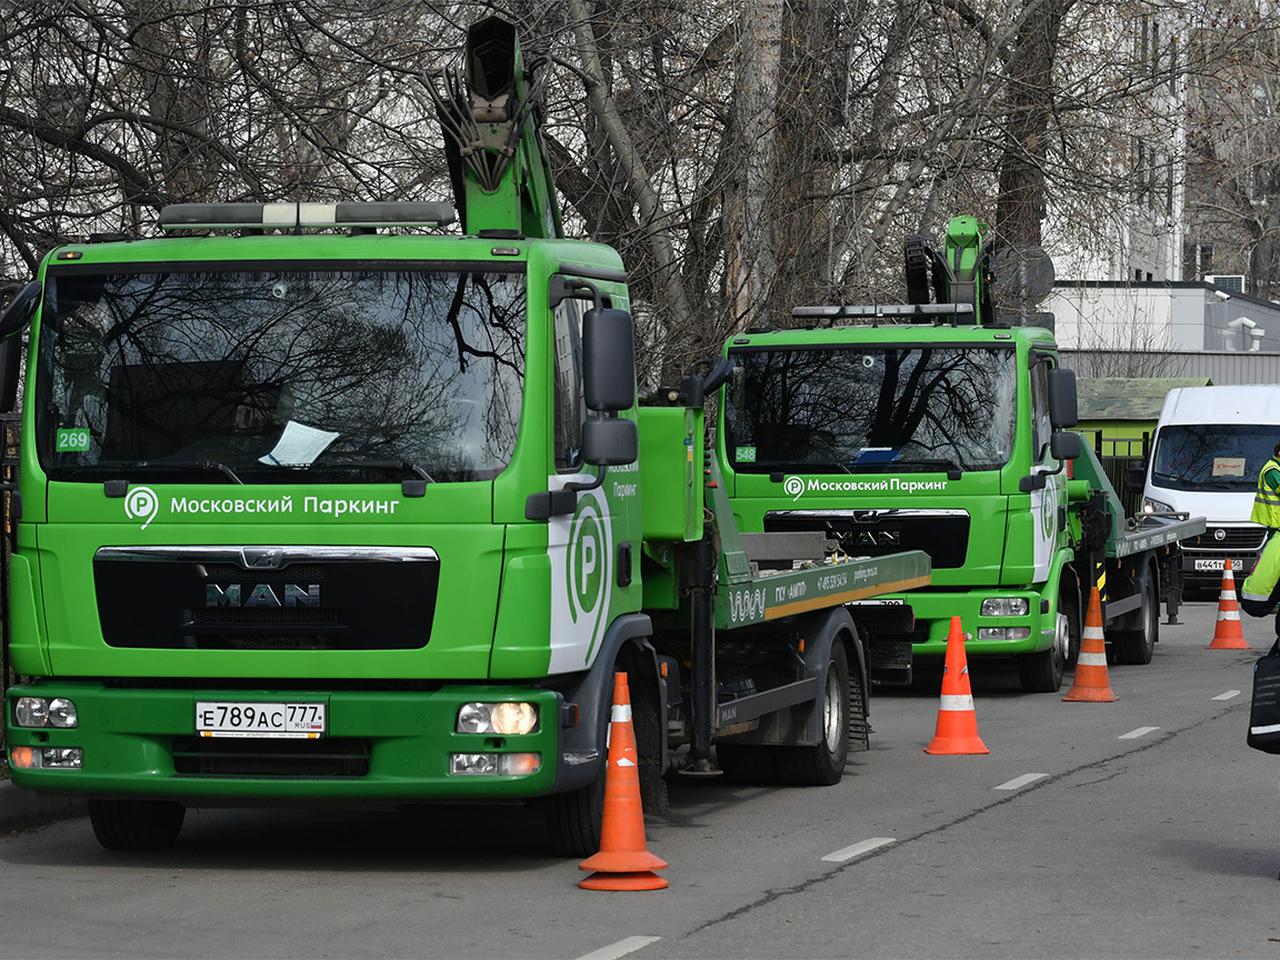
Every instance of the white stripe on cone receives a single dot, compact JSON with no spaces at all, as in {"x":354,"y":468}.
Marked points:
{"x":621,"y":713}
{"x":1093,"y":633}
{"x":953,"y":701}
{"x":1228,"y":595}
{"x":1228,"y":615}
{"x":1087,"y":658}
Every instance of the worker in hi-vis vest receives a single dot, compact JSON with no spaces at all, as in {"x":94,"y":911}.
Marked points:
{"x":1260,"y":592}
{"x":1266,"y":502}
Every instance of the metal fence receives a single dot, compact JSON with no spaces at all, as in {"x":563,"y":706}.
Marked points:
{"x":1117,"y":455}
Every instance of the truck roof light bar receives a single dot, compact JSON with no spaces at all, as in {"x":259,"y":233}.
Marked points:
{"x":882,"y":310}
{"x":292,"y":216}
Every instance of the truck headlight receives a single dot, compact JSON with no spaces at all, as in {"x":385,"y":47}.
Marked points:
{"x":42,"y":712}
{"x":508,"y":718}
{"x":1004,"y":633}
{"x":1004,"y":607}
{"x":1155,"y":506}
{"x":494,"y":764}
{"x":31,"y":712}
{"x":62,"y":713}
{"x":46,"y":758}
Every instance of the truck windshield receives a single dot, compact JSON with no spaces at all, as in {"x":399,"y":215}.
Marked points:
{"x":280,"y":374}
{"x":1212,"y":456}
{"x":871,"y":409}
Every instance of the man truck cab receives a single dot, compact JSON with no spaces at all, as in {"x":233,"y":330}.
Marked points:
{"x":1209,"y":446}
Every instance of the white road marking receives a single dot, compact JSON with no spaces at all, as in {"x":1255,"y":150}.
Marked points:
{"x":1135,"y":734}
{"x":1227,"y":696}
{"x":857,"y":849}
{"x":620,"y":949}
{"x":1019,"y":782}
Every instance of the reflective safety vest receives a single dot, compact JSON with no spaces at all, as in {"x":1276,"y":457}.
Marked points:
{"x":1266,"y":503}
{"x":1261,"y":584}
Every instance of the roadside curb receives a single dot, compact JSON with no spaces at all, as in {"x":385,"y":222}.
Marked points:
{"x":21,"y":809}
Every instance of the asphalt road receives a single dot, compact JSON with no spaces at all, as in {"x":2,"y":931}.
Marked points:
{"x":1150,"y":831}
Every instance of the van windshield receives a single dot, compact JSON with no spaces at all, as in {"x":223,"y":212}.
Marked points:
{"x":1212,"y":456}
{"x":273,"y":374}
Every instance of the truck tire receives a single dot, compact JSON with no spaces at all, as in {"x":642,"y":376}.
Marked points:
{"x":573,"y":819}
{"x":1069,"y":603}
{"x":822,"y":765}
{"x":1137,"y":646}
{"x":1042,"y":672}
{"x":124,"y":824}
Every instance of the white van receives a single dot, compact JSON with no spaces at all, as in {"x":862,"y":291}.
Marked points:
{"x":1209,"y":446}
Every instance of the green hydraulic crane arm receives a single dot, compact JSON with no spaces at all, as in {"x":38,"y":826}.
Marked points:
{"x":491,"y":115}
{"x":959,"y":273}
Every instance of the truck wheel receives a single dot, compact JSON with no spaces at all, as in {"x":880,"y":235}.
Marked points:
{"x":748,"y":763}
{"x":823,"y":764}
{"x":1042,"y":672}
{"x":121,"y":824}
{"x":1069,"y":604}
{"x":573,"y":819}
{"x":1137,"y":646}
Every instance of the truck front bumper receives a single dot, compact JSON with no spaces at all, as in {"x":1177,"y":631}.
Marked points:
{"x":380,"y":745}
{"x":985,"y":636}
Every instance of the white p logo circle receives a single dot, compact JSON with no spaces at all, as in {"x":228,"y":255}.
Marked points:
{"x":141,"y":503}
{"x":793,"y":487}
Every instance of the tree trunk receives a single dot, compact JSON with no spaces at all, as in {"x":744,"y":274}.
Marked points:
{"x":1020,"y":205}
{"x":751,"y":266}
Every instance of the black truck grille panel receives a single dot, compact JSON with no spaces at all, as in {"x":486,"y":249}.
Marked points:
{"x":333,"y":605}
{"x":323,"y":759}
{"x":944,"y":535}
{"x":1233,"y":538}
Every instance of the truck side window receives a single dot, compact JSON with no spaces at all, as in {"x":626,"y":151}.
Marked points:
{"x":570,"y":411}
{"x":1040,"y":426}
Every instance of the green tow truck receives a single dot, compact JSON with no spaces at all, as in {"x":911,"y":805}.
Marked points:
{"x":318,"y":503}
{"x":928,"y":425}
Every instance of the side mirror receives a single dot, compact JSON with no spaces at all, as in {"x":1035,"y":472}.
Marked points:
{"x":10,"y":364}
{"x":1063,"y":406}
{"x":21,"y":309}
{"x":12,"y":322}
{"x":609,"y":361}
{"x":609,"y":441}
{"x":1064,"y":445}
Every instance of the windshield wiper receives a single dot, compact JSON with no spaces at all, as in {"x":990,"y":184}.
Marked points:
{"x":403,"y":465}
{"x":954,"y":470}
{"x":410,"y":488}
{"x":208,"y":466}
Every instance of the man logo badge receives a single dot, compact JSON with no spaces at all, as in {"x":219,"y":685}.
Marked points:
{"x":262,"y":595}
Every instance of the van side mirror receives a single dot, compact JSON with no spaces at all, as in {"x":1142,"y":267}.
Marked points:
{"x":1063,"y":405}
{"x":609,"y":441}
{"x":609,"y":361}
{"x":12,"y":322}
{"x":1064,"y":445}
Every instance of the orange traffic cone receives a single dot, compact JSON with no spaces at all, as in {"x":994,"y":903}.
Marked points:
{"x":1228,"y":634}
{"x":957,"y":729}
{"x":624,"y":862}
{"x":1092,"y":685}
